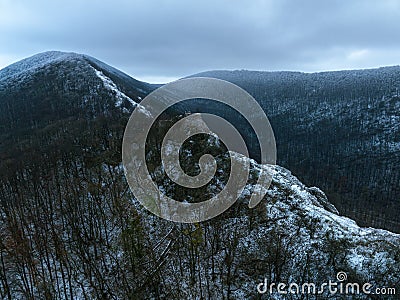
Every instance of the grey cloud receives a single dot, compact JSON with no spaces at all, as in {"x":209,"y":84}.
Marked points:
{"x":177,"y":38}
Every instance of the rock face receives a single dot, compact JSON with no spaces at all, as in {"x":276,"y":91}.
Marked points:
{"x":322,"y":200}
{"x":293,"y":236}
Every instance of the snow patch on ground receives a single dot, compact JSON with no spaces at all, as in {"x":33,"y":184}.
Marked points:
{"x":110,"y":85}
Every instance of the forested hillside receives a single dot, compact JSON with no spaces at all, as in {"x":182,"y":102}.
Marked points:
{"x":70,"y":227}
{"x":336,"y":130}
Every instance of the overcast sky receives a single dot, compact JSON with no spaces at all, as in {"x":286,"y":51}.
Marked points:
{"x":161,"y":40}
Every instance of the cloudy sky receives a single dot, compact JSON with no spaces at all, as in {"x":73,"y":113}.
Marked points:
{"x":158,"y":41}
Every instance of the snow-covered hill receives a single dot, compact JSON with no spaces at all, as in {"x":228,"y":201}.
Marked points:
{"x":55,"y":86}
{"x":29,"y":66}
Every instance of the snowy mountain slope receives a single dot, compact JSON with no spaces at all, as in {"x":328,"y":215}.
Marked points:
{"x":23,"y":74}
{"x":52,"y":104}
{"x":347,"y":122}
{"x":71,"y":229}
{"x":55,"y":87}
{"x":289,"y":237}
{"x":110,"y":85}
{"x":337,"y":130}
{"x":28,"y":66}
{"x":294,"y":235}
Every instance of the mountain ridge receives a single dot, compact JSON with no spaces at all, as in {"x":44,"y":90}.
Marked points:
{"x":347,"y":118}
{"x":355,"y":70}
{"x":71,"y":229}
{"x":53,"y":55}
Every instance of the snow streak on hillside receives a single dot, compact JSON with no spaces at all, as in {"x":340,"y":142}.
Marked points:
{"x":110,"y":85}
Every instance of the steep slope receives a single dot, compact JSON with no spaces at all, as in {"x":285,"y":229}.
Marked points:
{"x":293,"y":236}
{"x":337,"y":130}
